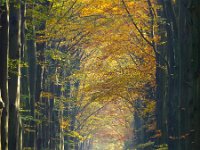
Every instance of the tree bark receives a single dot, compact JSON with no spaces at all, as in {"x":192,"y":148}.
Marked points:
{"x":2,"y":105}
{"x":4,"y":51}
{"x":32,"y":71}
{"x":14,"y":75}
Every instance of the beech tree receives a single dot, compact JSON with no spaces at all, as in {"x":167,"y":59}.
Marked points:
{"x":4,"y":51}
{"x":104,"y":74}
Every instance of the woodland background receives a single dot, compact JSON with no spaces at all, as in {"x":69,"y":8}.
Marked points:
{"x":99,"y":74}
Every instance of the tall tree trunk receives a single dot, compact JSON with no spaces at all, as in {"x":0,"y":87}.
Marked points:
{"x":24,"y":90}
{"x":4,"y":50}
{"x":183,"y":43}
{"x":32,"y":72}
{"x":40,"y":74}
{"x":162,"y":84}
{"x":60,"y":117}
{"x":14,"y":74}
{"x":194,"y":102}
{"x":172,"y":105}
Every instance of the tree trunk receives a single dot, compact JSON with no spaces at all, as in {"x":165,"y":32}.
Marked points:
{"x":2,"y":105}
{"x":32,"y":72}
{"x":194,"y":103}
{"x":14,"y":75}
{"x":183,"y":43}
{"x":4,"y":50}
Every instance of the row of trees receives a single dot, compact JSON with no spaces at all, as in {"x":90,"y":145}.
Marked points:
{"x":177,"y":63}
{"x":10,"y":33}
{"x":74,"y":73}
{"x":32,"y":93}
{"x":48,"y":104}
{"x":177,"y":77}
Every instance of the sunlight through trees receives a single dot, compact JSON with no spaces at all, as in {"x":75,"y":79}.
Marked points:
{"x":99,"y":74}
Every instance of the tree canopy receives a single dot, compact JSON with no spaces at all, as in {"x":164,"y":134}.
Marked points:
{"x":99,"y":74}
